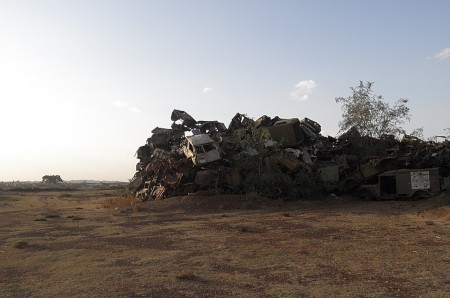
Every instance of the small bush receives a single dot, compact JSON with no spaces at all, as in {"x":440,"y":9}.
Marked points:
{"x":242,"y":229}
{"x":52,"y":216}
{"x":21,"y":244}
{"x":74,"y":217}
{"x":186,"y":275}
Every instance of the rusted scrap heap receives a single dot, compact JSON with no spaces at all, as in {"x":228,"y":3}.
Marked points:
{"x":274,"y":157}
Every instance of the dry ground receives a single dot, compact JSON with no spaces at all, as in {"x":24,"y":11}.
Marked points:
{"x":67,"y":244}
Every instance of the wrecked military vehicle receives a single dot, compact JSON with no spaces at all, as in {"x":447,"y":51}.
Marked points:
{"x":281,"y":158}
{"x":404,"y":184}
{"x":201,"y":149}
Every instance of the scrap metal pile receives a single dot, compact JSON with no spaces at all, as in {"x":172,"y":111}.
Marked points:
{"x":274,"y":157}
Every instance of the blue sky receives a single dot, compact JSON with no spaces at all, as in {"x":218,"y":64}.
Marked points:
{"x":83,"y":83}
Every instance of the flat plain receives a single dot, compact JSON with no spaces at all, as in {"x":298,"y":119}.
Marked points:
{"x":97,"y":243}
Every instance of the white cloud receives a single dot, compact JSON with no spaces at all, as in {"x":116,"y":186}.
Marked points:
{"x":207,"y":89}
{"x":125,"y":105}
{"x":121,"y":104}
{"x":134,"y":110}
{"x":444,"y":54}
{"x":303,"y":89}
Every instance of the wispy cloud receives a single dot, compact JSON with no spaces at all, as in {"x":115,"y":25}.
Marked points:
{"x":303,"y":89}
{"x":135,"y":110}
{"x":207,"y":89}
{"x":125,"y":105}
{"x":120,"y":104}
{"x":443,"y":54}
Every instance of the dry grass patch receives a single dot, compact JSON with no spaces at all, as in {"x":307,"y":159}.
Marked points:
{"x":65,"y":195}
{"x":216,"y":247}
{"x":120,"y":202}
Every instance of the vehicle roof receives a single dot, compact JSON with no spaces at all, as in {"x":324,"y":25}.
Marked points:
{"x":199,"y":139}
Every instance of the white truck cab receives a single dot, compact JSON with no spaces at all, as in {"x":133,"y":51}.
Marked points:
{"x":201,"y":149}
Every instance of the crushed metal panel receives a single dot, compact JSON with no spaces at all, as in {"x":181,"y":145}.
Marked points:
{"x":207,"y":127}
{"x":184,"y":166}
{"x":142,"y":194}
{"x":184,"y":117}
{"x":329,"y":174}
{"x":161,"y":154}
{"x":163,"y":137}
{"x":341,"y":161}
{"x":264,"y":121}
{"x":206,"y":178}
{"x":160,"y":130}
{"x":173,"y":179}
{"x":292,"y":162}
{"x":307,"y":158}
{"x":369,"y":169}
{"x":136,"y":182}
{"x":233,"y":177}
{"x":287,"y":132}
{"x":144,"y":152}
{"x":158,"y":192}
{"x":312,"y":125}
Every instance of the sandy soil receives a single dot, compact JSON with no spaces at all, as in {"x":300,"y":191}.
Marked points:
{"x":67,"y":244}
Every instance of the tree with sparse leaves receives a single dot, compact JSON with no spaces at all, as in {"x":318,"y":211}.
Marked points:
{"x":447,"y":132}
{"x":418,"y":133}
{"x":371,"y":115}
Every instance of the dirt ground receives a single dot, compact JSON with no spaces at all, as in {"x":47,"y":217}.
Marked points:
{"x":68,"y":244}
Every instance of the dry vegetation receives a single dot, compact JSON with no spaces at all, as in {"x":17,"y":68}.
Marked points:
{"x":103,"y":243}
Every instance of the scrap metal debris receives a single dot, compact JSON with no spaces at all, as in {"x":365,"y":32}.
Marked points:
{"x":54,"y":179}
{"x":286,"y":158}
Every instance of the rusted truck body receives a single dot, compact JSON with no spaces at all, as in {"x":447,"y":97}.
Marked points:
{"x":403,"y":183}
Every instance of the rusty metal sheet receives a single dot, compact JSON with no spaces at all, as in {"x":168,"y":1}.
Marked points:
{"x":206,"y":178}
{"x":329,"y":174}
{"x":287,"y":132}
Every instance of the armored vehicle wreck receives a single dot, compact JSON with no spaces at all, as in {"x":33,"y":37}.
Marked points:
{"x":403,"y":183}
{"x":201,"y":149}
